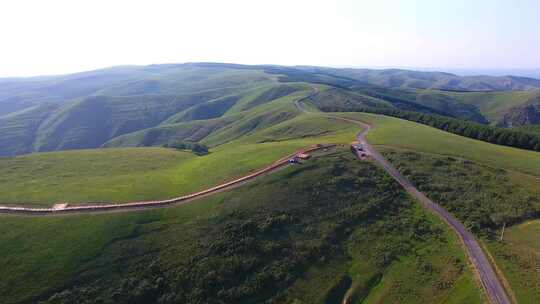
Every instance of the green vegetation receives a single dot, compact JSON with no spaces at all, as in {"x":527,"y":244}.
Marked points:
{"x":95,"y":107}
{"x":331,"y":229}
{"x":331,"y":99}
{"x":406,"y":79}
{"x":271,"y":241}
{"x":196,"y":148}
{"x":485,"y":199}
{"x":518,"y":256}
{"x":131,"y":174}
{"x":506,"y":137}
{"x":481,"y":197}
{"x":92,"y":109}
{"x":91,"y":176}
{"x":389,"y":131}
{"x":493,"y":105}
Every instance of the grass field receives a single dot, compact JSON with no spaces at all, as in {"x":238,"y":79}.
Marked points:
{"x":518,"y":256}
{"x":389,"y":131}
{"x":273,"y":239}
{"x":484,"y":199}
{"x":493,"y":105}
{"x":129,"y":174}
{"x":90,"y":175}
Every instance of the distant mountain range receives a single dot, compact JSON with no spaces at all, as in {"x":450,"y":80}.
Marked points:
{"x":150,"y":105}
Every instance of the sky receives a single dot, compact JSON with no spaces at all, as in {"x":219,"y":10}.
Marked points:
{"x":63,"y":36}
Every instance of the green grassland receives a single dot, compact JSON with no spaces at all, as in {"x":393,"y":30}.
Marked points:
{"x":484,"y":199}
{"x":389,"y":131}
{"x":90,"y":111}
{"x":493,"y":105}
{"x":91,"y":175}
{"x":518,"y":256}
{"x":119,"y":175}
{"x":255,"y":138}
{"x":290,"y":237}
{"x":315,"y":233}
{"x":480,"y":196}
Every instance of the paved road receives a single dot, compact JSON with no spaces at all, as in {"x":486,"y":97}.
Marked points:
{"x":490,"y":282}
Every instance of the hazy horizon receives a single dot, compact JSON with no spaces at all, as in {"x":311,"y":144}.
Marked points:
{"x":527,"y":72}
{"x":61,"y":37}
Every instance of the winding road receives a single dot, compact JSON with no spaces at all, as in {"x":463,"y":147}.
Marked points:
{"x":489,"y":280}
{"x":487,"y":276}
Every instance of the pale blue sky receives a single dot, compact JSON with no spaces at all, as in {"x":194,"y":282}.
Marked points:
{"x":60,"y":36}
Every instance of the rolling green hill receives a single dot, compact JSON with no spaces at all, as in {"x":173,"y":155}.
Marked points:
{"x":330,"y":229}
{"x":241,"y":141}
{"x":493,"y":105}
{"x":119,"y":175}
{"x":150,"y":95}
{"x":389,"y":131}
{"x":90,"y":109}
{"x":407,"y":79}
{"x":277,"y":239}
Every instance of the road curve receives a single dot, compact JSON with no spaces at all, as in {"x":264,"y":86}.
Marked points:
{"x":489,"y":280}
{"x":109,"y":207}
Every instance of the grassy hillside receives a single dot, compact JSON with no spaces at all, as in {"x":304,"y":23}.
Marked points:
{"x":91,"y":175}
{"x":277,"y":239}
{"x":87,"y":112}
{"x":18,"y":130}
{"x":518,"y":256}
{"x":400,"y":133}
{"x":162,"y":134}
{"x":329,"y":229}
{"x":485,"y":199}
{"x":332,"y":99}
{"x":356,"y":268}
{"x":396,"y":78}
{"x":95,"y":107}
{"x":493,"y":105}
{"x":216,"y":131}
{"x":482,"y":197}
{"x":154,"y":173}
{"x":248,"y":152}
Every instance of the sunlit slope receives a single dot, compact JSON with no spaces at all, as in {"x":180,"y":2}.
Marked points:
{"x":277,"y":238}
{"x":230,"y":118}
{"x":519,"y":257}
{"x":493,"y":105}
{"x":90,"y":175}
{"x":405,"y":134}
{"x":92,"y":108}
{"x":248,"y":140}
{"x":155,"y":173}
{"x":18,"y":130}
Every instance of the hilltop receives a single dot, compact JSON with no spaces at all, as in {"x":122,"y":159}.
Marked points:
{"x":111,"y":107}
